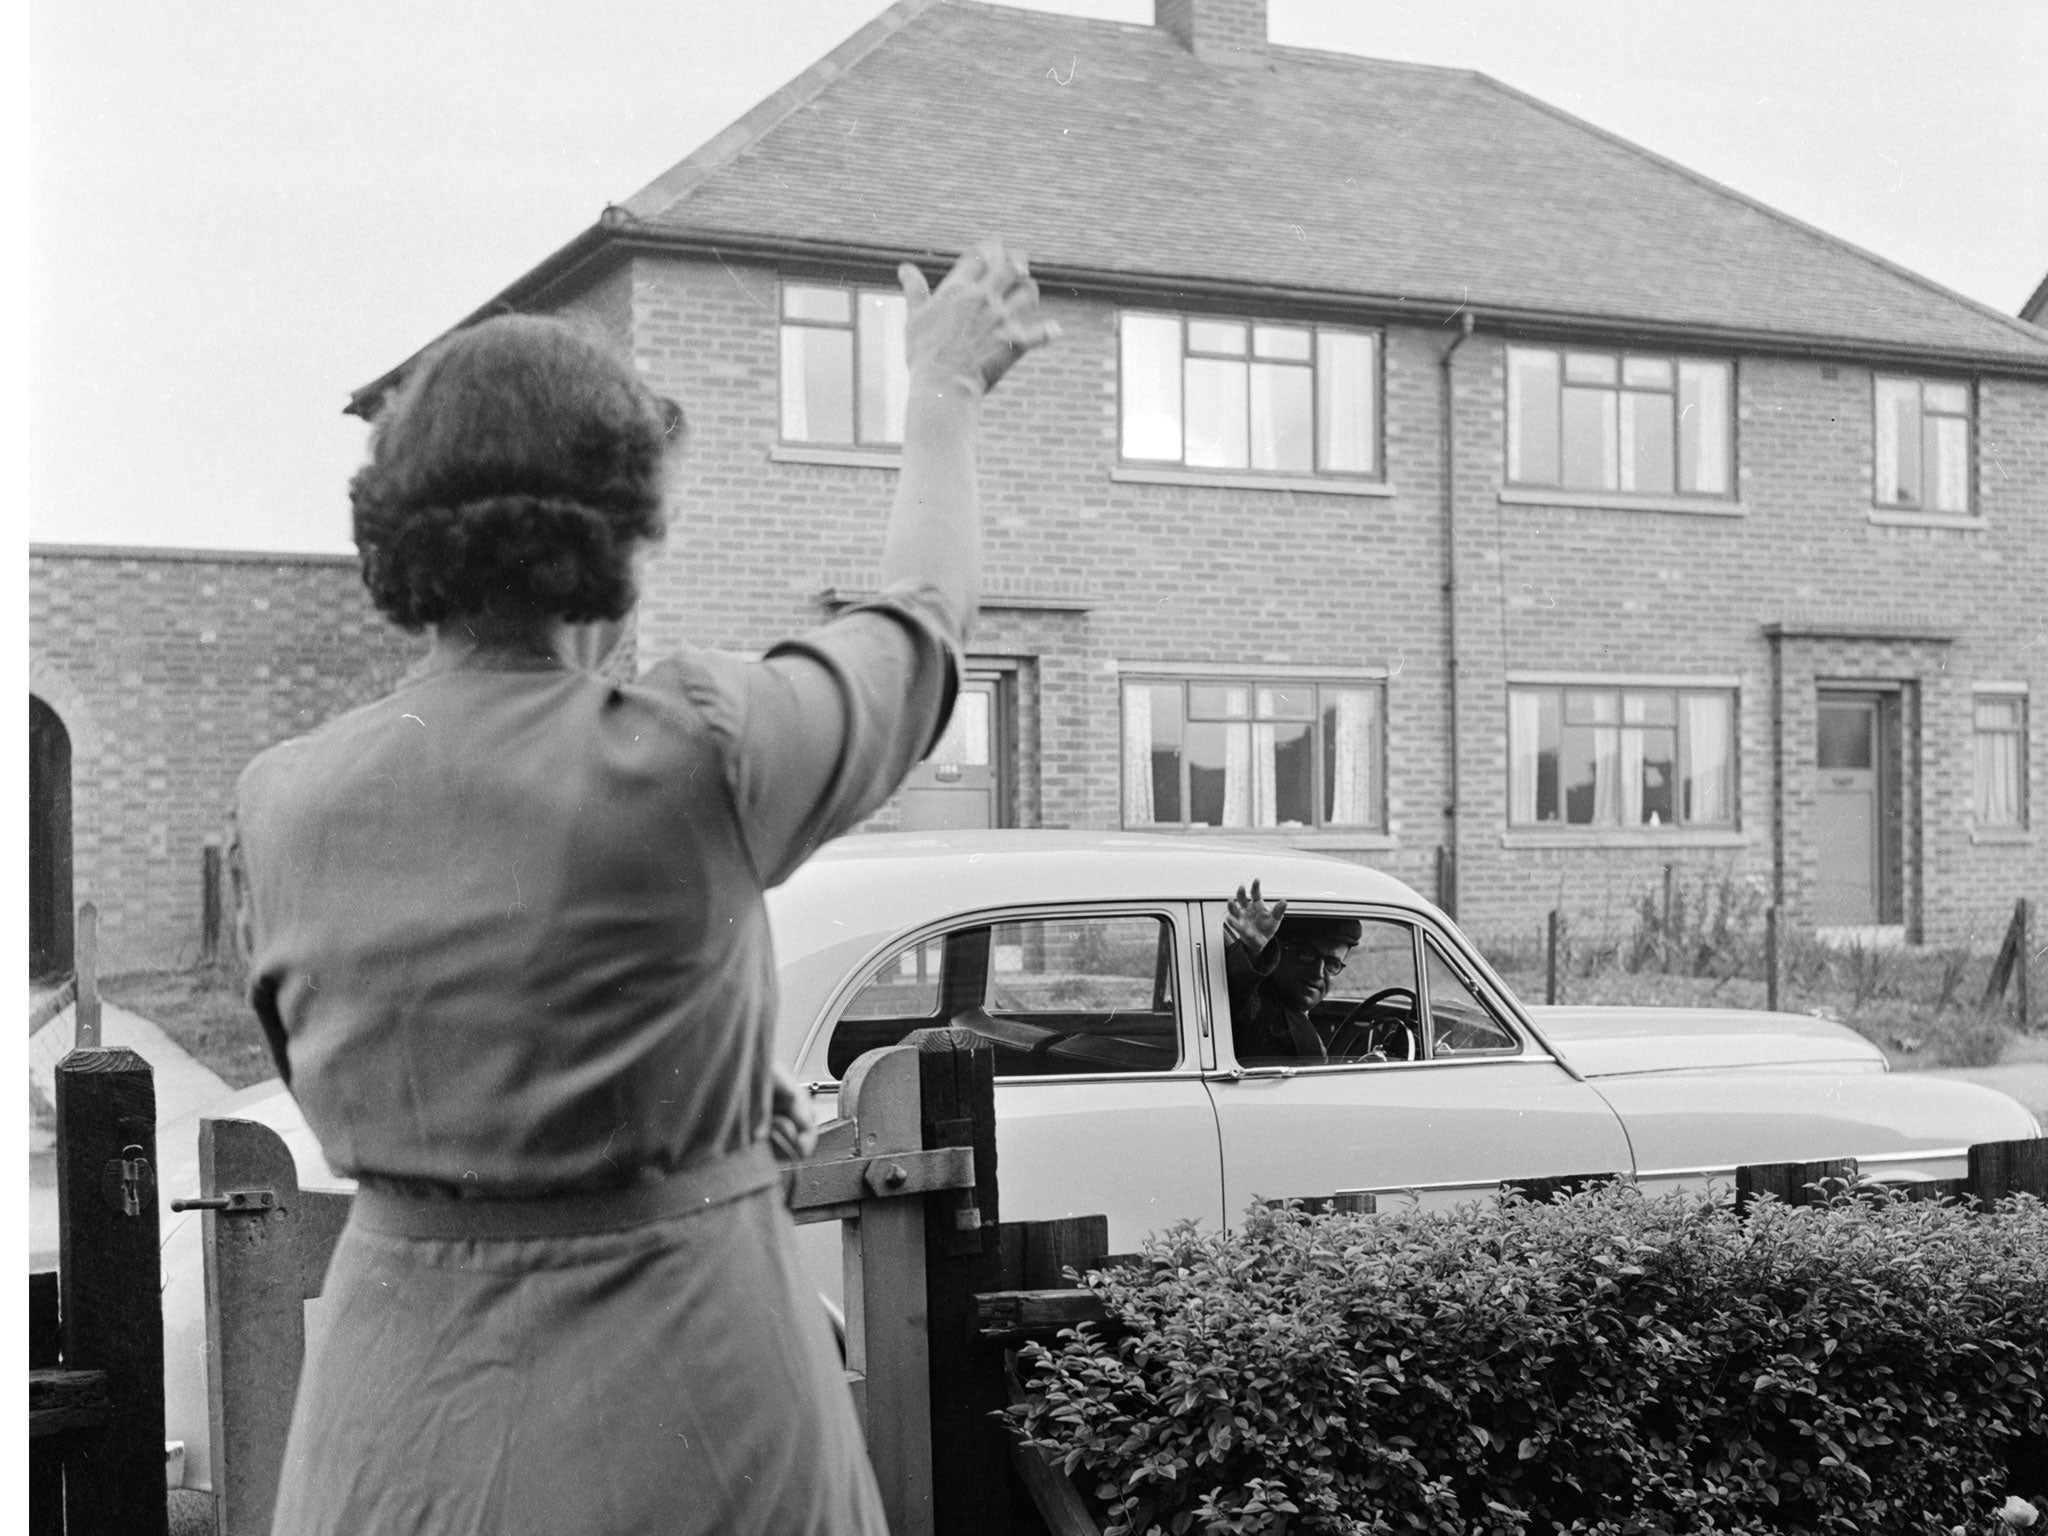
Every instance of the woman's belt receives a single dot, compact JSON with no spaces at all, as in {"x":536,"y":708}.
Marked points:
{"x":696,"y":1186}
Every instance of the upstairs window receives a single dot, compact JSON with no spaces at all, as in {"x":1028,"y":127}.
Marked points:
{"x":1923,"y":445}
{"x":1621,"y":757}
{"x":1654,"y":425}
{"x":1228,"y":753}
{"x":1235,"y":394}
{"x":2000,"y":722}
{"x":844,"y":379}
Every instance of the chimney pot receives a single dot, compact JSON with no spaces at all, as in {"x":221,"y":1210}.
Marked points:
{"x":1215,"y":31}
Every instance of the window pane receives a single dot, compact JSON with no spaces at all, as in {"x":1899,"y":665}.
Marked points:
{"x":807,"y":303}
{"x":1216,"y":414}
{"x":2001,"y":773}
{"x":1588,"y":368}
{"x":1282,"y":398}
{"x":1283,"y":784}
{"x":1646,"y":447}
{"x":884,"y":373}
{"x":1208,"y":701}
{"x":1590,"y":706}
{"x":1219,"y":774}
{"x":1151,"y":387}
{"x":1703,"y":428}
{"x":1082,"y":994}
{"x":1953,"y":398}
{"x":1350,"y":757}
{"x":1898,"y":442}
{"x":1650,"y":372}
{"x":1532,"y":417}
{"x":1347,"y":421}
{"x":1152,"y":742}
{"x":1996,"y":714}
{"x":1216,"y":336}
{"x":1650,"y":776}
{"x":1709,"y":758}
{"x":1845,"y":731}
{"x":1459,"y":1020}
{"x":1591,"y":449}
{"x":1533,"y":752}
{"x":817,"y":385}
{"x":905,"y":985}
{"x":966,"y":739}
{"x":1284,"y":703}
{"x":1948,"y":460}
{"x":1280,"y":341}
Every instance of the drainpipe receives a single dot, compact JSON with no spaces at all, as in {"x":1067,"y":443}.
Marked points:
{"x":1447,"y":882}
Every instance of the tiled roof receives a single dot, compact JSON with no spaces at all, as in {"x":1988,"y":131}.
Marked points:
{"x":1109,"y":149}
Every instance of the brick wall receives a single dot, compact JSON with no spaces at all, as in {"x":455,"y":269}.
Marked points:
{"x":170,"y":670}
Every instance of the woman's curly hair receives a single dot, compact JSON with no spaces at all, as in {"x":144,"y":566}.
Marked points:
{"x":512,"y":474}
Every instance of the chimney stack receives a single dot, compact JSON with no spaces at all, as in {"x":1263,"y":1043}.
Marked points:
{"x":1215,"y":31}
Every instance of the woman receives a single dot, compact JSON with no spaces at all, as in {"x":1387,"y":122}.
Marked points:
{"x":506,"y":938}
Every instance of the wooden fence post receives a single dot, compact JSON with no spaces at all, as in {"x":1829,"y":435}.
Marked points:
{"x":1664,"y":925}
{"x":86,"y":964}
{"x":1999,"y":1169}
{"x":109,"y":1281}
{"x":209,"y":903}
{"x":885,"y":1297}
{"x":45,"y":1459}
{"x":2011,"y":965}
{"x":1551,"y":955}
{"x":1771,"y":957}
{"x":1793,"y":1183}
{"x":263,"y":1263}
{"x":972,"y":1489}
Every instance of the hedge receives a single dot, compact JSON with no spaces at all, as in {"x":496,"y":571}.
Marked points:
{"x":1604,"y":1364}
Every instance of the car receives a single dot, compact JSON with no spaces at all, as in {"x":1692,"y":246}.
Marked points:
{"x":1096,"y":965}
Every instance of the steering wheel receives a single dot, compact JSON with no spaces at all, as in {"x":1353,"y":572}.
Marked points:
{"x":1365,"y":1035}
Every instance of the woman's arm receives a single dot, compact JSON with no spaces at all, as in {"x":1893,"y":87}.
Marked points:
{"x":961,"y":339}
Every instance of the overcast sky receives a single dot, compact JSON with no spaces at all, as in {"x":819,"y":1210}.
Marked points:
{"x":241,"y":211}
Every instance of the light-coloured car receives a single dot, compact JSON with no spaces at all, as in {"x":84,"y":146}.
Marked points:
{"x":1097,"y":965}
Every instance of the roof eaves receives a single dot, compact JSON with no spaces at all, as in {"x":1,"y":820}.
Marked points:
{"x":2017,"y":326}
{"x":722,"y":148}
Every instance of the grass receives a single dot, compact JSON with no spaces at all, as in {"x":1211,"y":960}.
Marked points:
{"x":206,"y":1012}
{"x":1920,"y":1006}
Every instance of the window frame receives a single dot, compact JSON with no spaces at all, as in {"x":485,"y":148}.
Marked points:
{"x":1251,"y":682}
{"x":1621,"y":357}
{"x":855,"y":291}
{"x":1677,"y":692}
{"x":1184,"y":934}
{"x":1376,"y":476}
{"x":2023,"y":734}
{"x":1924,"y":506}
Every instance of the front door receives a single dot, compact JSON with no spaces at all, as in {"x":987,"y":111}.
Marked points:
{"x":960,"y":784}
{"x":1849,"y":812}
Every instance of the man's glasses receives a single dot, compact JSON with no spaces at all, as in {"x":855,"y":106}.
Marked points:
{"x":1330,"y":965}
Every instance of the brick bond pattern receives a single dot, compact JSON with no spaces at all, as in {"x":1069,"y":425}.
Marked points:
{"x":171,"y":670}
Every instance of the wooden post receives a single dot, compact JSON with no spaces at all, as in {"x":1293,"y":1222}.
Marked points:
{"x":109,"y":1281}
{"x":1543,"y":1191}
{"x":2012,"y":961}
{"x":209,"y":903}
{"x":972,"y":1488}
{"x":1037,"y":1254}
{"x":887,"y":1358}
{"x":262,"y":1266}
{"x":1551,"y":955}
{"x":1793,"y":1184}
{"x":2000,"y":1169}
{"x":1771,"y":957}
{"x":86,"y":953}
{"x":45,"y":1459}
{"x":1664,"y":927}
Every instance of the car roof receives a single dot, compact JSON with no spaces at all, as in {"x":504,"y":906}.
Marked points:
{"x":890,"y":882}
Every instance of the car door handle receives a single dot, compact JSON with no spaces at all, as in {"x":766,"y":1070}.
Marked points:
{"x":1238,"y":1074}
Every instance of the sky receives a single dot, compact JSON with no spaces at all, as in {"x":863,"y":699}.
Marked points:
{"x":240,"y":211}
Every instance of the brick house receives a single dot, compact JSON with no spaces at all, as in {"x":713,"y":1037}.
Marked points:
{"x":1425,"y":475}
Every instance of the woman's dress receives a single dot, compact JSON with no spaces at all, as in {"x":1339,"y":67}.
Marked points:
{"x":508,"y":942}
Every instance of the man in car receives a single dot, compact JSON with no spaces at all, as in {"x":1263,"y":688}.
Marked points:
{"x":1279,"y":968}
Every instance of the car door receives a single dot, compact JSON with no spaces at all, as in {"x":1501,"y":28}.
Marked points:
{"x":1100,"y":1102}
{"x":1481,"y":1102}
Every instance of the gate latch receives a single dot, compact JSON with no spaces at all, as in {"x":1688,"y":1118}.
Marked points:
{"x":236,"y":1202}
{"x":127,"y":1181}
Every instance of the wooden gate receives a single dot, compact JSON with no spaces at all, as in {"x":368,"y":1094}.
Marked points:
{"x":268,"y":1243}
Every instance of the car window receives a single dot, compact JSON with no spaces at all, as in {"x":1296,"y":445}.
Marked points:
{"x":1056,"y":995}
{"x":1366,"y":1014}
{"x":1460,"y":1020}
{"x":1081,"y":994}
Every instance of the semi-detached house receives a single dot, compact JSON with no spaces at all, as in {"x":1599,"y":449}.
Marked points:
{"x":1425,"y":475}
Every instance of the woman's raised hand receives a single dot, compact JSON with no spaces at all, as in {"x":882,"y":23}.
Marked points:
{"x":983,"y":317}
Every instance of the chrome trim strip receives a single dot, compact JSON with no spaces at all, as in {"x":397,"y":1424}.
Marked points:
{"x":1929,"y":1154}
